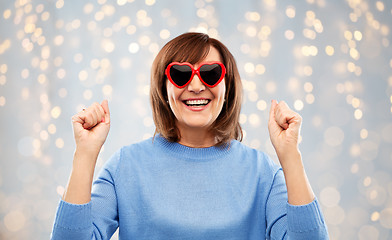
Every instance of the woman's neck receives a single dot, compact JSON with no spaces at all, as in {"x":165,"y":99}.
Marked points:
{"x":197,"y":138}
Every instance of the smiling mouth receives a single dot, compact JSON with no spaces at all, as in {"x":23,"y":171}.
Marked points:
{"x":197,"y":103}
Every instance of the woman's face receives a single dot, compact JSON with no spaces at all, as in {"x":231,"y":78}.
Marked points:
{"x":187,"y":103}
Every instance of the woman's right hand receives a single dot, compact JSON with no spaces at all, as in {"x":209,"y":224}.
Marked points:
{"x":91,"y":127}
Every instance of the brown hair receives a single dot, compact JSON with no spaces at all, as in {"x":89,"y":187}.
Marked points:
{"x":194,"y":47}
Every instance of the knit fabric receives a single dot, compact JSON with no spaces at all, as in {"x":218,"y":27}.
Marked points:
{"x":157,"y":189}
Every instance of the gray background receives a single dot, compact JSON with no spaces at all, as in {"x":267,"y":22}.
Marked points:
{"x":56,"y":58}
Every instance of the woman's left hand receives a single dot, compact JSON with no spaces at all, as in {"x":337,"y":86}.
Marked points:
{"x":284,"y":128}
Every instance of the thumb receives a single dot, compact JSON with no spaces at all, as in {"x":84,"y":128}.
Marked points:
{"x":105,"y":106}
{"x":272,"y":123}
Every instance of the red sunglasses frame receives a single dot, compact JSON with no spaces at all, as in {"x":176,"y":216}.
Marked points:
{"x":195,"y":71}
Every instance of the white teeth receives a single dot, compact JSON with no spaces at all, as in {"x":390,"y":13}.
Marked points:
{"x":197,"y":102}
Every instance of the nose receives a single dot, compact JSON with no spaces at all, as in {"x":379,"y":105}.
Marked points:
{"x":196,"y":85}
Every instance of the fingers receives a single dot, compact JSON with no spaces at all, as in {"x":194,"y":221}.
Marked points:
{"x":91,"y":116}
{"x":105,"y":107}
{"x":282,"y":115}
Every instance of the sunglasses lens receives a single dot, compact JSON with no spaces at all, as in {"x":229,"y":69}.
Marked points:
{"x":211,"y":73}
{"x":180,"y":74}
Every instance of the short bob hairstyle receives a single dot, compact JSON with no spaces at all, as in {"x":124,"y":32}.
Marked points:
{"x":194,"y":47}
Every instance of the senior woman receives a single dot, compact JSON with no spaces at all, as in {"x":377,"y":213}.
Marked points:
{"x":194,"y":179}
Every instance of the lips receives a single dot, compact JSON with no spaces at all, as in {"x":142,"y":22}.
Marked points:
{"x":196,"y":104}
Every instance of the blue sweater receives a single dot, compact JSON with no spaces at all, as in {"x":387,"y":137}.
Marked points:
{"x":163,"y":190}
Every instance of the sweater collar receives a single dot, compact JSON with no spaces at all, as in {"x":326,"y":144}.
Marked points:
{"x":197,"y":154}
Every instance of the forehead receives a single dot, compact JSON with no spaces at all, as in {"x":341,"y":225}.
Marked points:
{"x":213,"y":55}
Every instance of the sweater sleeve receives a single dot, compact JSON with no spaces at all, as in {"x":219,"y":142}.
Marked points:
{"x":97,"y":219}
{"x":286,"y":221}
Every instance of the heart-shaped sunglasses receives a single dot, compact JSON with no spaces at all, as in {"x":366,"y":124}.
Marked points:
{"x":181,"y":74}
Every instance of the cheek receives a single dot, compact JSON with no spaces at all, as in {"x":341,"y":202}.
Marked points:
{"x":220,"y":91}
{"x":173,"y":93}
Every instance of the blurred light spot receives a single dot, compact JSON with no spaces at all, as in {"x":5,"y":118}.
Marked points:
{"x":376,"y":195}
{"x":131,"y":29}
{"x":260,"y":69}
{"x":44,"y":135}
{"x":355,"y":102}
{"x":252,"y":16}
{"x":59,"y":4}
{"x":251,"y":31}
{"x":358,"y":114}
{"x":333,"y":136}
{"x":45,"y":16}
{"x":148,"y":122}
{"x":133,"y":48}
{"x":87,"y":94}
{"x":289,"y":35}
{"x":355,"y":150}
{"x":42,"y":78}
{"x":14,"y":220}
{"x":150,"y":2}
{"x":154,"y":48}
{"x":95,"y":63}
{"x":243,"y":118}
{"x":2,"y":101}
{"x":62,"y":92}
{"x":255,"y":143}
{"x":249,"y":67}
{"x":367,"y":181}
{"x":358,"y":35}
{"x":354,"y":168}
{"x":83,"y":75}
{"x":308,"y":33}
{"x":147,"y":136}
{"x":44,"y":98}
{"x":144,"y":40}
{"x":348,"y":35}
{"x":7,"y":14}
{"x":386,"y":133}
{"x":43,"y":65}
{"x":201,"y":13}
{"x":354,"y":53}
{"x":308,"y":87}
{"x":380,"y":6}
{"x":261,"y":105}
{"x":88,"y":8}
{"x":290,"y":11}
{"x":245,"y":48}
{"x":368,"y":232}
{"x":293,"y":83}
{"x":107,"y":90}
{"x":107,"y":45}
{"x":270,"y":86}
{"x":3,"y":68}
{"x":59,"y":143}
{"x":308,"y":71}
{"x":164,"y":34}
{"x":25,"y":73}
{"x":386,"y":218}
{"x":254,"y":120}
{"x":330,"y":197}
{"x":334,"y":215}
{"x":298,"y":105}
{"x":364,"y":133}
{"x":25,"y":93}
{"x":3,"y":80}
{"x":375,"y":216}
{"x":55,"y":112}
{"x":309,"y":98}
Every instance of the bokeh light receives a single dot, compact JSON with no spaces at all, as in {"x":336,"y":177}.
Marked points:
{"x":331,"y":61}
